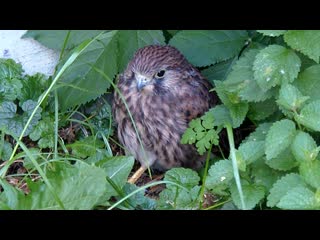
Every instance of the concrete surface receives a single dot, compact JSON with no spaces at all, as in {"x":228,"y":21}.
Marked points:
{"x":33,"y":56}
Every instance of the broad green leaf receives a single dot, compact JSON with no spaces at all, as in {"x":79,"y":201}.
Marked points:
{"x":310,"y":116}
{"x":260,"y":133}
{"x":82,"y":78}
{"x":10,"y":197}
{"x":279,"y":137}
{"x":261,"y":110}
{"x":251,"y":151}
{"x":138,"y":200}
{"x":79,"y":186}
{"x":221,"y":115}
{"x":44,"y":131}
{"x":310,"y":172}
{"x":272,"y":33}
{"x":252,"y":194}
{"x":306,"y":41}
{"x":54,"y":39}
{"x":308,"y":82}
{"x":182,"y":176}
{"x":36,"y":154}
{"x":221,"y":173}
{"x":218,"y":71}
{"x":283,"y":162}
{"x":85,"y":147}
{"x":282,"y":187}
{"x":131,"y":40}
{"x":304,"y":148}
{"x":205,"y":47}
{"x":275,"y":65}
{"x":290,"y":97}
{"x":299,"y":198}
{"x":5,"y":150}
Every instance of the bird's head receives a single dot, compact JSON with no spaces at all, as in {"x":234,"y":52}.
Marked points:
{"x":155,"y":69}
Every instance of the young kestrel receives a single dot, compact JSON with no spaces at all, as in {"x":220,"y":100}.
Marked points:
{"x":163,"y":92}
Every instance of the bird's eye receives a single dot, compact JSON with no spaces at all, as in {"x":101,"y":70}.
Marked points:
{"x":160,"y":74}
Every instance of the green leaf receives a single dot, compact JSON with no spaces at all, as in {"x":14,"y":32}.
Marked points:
{"x":308,"y":82}
{"x":290,"y":97}
{"x":221,"y":115}
{"x":306,"y":41}
{"x":36,"y":154}
{"x":251,"y":151}
{"x":218,"y":71}
{"x":221,"y":173}
{"x":310,"y":116}
{"x":44,"y":131}
{"x":310,"y":172}
{"x":252,"y":194}
{"x":5,"y":150}
{"x":85,"y":147}
{"x":54,"y":39}
{"x":275,"y":65}
{"x":182,"y":176}
{"x":261,"y":110}
{"x":279,"y":137}
{"x":260,"y":133}
{"x":282,"y":187}
{"x":131,"y":40}
{"x":203,"y":47}
{"x":138,"y":200}
{"x":283,"y":162}
{"x":304,"y":148}
{"x":272,"y":33}
{"x":299,"y":198}
{"x":78,"y":186}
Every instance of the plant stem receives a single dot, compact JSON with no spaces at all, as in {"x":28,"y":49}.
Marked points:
{"x":235,"y":164}
{"x":204,"y":177}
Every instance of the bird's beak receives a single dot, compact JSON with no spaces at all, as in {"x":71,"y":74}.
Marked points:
{"x":142,"y":81}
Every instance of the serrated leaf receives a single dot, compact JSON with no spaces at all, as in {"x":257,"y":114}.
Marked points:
{"x":310,"y":172}
{"x":203,"y":47}
{"x":218,"y":71}
{"x":85,"y":147}
{"x":261,"y":110}
{"x":138,"y":200}
{"x":299,"y":198}
{"x":305,"y":41}
{"x":251,"y":151}
{"x":252,"y":194}
{"x":260,"y":133}
{"x":308,"y":82}
{"x":272,"y":33}
{"x":44,"y":131}
{"x":283,"y":162}
{"x":290,"y":97}
{"x":279,"y":137}
{"x":54,"y":39}
{"x":5,"y":150}
{"x":310,"y":116}
{"x":221,"y":115}
{"x":182,"y":176}
{"x":304,"y":148}
{"x":221,"y":173}
{"x":282,"y":187}
{"x":275,"y":65}
{"x":132,"y":40}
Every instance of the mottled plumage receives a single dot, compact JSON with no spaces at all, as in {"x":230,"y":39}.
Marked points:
{"x":164,"y":92}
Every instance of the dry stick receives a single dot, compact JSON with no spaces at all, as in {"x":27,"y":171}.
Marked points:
{"x":137,"y":175}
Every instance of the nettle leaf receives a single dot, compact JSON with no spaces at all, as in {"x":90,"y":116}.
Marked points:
{"x":282,"y":187}
{"x":279,"y":137}
{"x":221,"y":173}
{"x":205,"y":47}
{"x":283,"y":162}
{"x":221,"y":115}
{"x":275,"y":65}
{"x":260,"y":133}
{"x":5,"y":150}
{"x":261,"y":110}
{"x":44,"y":131}
{"x":299,"y":198}
{"x":79,"y":186}
{"x":308,"y":82}
{"x":272,"y":33}
{"x":304,"y":148}
{"x":310,"y":172}
{"x":86,"y":147}
{"x":252,"y":194}
{"x":290,"y":97}
{"x":131,"y":40}
{"x":54,"y":39}
{"x":182,"y":176}
{"x":251,"y":151}
{"x":14,"y":122}
{"x":218,"y":71}
{"x":310,"y":116}
{"x":305,"y":41}
{"x":242,"y":82}
{"x":138,"y":200}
